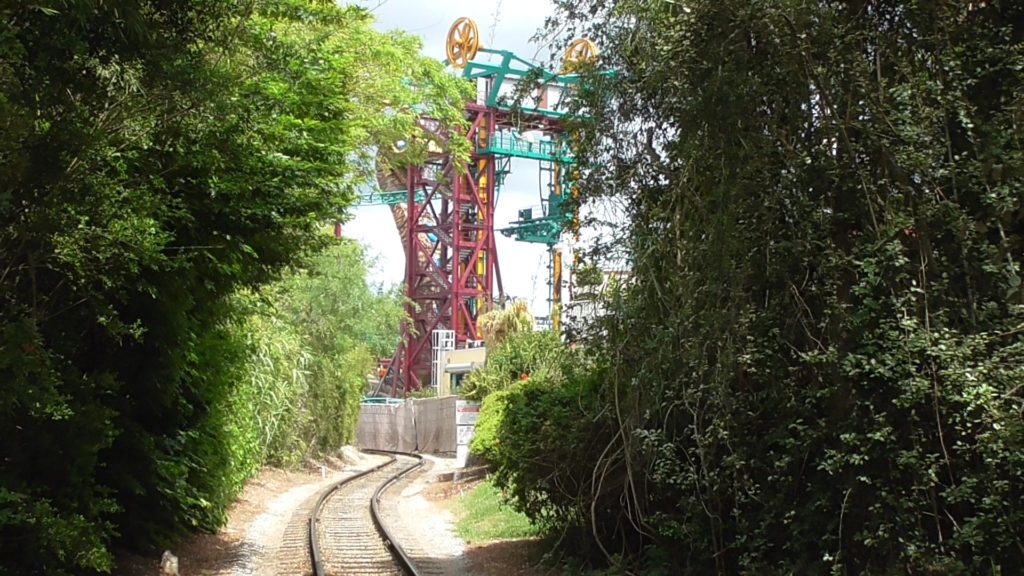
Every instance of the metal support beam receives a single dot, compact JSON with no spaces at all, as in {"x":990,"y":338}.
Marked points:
{"x":451,"y":254}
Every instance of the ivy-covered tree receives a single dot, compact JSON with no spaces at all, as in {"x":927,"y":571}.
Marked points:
{"x":156,"y":156}
{"x":816,"y":368}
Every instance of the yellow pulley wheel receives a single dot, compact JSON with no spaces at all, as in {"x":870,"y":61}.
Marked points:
{"x":581,"y":50}
{"x":463,"y":42}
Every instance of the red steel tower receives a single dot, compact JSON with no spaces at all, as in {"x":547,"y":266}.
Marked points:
{"x":452,"y":273}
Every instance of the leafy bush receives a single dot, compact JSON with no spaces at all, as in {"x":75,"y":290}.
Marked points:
{"x":536,"y":433}
{"x":531,"y":354}
{"x":265,"y":406}
{"x":63,"y":538}
{"x":52,"y":515}
{"x":589,"y":276}
{"x":341,"y":325}
{"x":818,"y":358}
{"x":542,"y":433}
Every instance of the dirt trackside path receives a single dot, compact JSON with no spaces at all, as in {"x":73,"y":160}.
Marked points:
{"x":258,"y":538}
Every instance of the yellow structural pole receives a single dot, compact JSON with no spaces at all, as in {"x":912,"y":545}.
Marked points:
{"x":556,"y":289}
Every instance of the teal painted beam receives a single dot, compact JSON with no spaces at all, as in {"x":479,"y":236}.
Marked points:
{"x":378,"y":198}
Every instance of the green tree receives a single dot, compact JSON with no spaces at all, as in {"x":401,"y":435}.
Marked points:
{"x":155,"y":158}
{"x":303,"y":347}
{"x":816,"y":367}
{"x":343,"y":327}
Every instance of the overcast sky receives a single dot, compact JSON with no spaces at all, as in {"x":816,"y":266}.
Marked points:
{"x":507,"y":25}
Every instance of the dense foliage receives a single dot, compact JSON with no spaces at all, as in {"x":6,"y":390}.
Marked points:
{"x":816,"y":367}
{"x":521,"y":355}
{"x":513,"y":350}
{"x":541,"y":425}
{"x":156,"y":157}
{"x":308,"y":341}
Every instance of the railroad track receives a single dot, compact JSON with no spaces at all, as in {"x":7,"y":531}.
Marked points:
{"x":349,"y":535}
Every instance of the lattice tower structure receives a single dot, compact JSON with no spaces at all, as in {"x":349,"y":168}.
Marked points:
{"x":452,"y":274}
{"x":452,"y":271}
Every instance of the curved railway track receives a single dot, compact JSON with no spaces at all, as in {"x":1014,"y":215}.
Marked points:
{"x":347,"y":534}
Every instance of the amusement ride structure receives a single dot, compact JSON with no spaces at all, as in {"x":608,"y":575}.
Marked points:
{"x":444,"y":208}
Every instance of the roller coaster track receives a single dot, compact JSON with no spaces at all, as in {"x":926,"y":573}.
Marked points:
{"x":348,"y":533}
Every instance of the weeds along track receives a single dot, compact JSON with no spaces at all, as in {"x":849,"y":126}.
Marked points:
{"x":347,"y":533}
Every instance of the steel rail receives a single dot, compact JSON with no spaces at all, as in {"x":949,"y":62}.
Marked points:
{"x":396,"y":550}
{"x":314,"y":517}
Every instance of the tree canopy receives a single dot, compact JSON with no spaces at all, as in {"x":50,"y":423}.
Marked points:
{"x":815,"y":367}
{"x":155,"y":158}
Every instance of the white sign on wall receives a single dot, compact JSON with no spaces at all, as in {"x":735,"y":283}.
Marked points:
{"x":466,"y":416}
{"x":466,"y":413}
